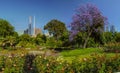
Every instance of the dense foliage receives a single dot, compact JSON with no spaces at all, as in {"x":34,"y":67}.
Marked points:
{"x":12,"y":64}
{"x":6,"y":29}
{"x":55,"y":28}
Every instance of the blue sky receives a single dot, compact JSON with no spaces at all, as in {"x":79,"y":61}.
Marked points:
{"x":18,"y":11}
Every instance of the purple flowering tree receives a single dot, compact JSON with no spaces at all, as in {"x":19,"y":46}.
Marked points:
{"x":87,"y":19}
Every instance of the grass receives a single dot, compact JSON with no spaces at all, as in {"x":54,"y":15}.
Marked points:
{"x":78,"y":52}
{"x":83,"y":53}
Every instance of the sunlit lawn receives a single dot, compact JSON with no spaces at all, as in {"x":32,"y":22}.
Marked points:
{"x":84,"y":53}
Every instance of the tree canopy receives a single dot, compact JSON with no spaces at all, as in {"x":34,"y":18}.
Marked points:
{"x":55,"y":28}
{"x":87,"y":19}
{"x":6,"y":29}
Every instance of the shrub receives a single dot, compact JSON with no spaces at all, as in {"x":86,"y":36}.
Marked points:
{"x":49,"y":65}
{"x":14,"y":64}
{"x":108,"y":37}
{"x":39,"y":41}
{"x":92,"y":43}
{"x":51,"y":42}
{"x":112,"y":47}
{"x":2,"y":63}
{"x":9,"y":41}
{"x":117,"y":37}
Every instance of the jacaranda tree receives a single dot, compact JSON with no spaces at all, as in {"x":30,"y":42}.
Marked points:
{"x":88,"y":19}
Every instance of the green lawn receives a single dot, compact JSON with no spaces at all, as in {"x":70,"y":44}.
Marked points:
{"x":83,"y":53}
{"x":79,"y":52}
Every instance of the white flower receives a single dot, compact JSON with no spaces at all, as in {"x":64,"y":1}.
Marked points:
{"x":47,"y":64}
{"x":84,"y":59}
{"x":39,"y":56}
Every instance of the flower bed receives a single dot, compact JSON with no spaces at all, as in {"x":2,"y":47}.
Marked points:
{"x":12,"y":64}
{"x":41,"y":64}
{"x":95,"y":64}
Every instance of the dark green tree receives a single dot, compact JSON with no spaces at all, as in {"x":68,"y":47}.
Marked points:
{"x":108,"y":37}
{"x":65,"y":39}
{"x":117,"y":36}
{"x":55,"y":28}
{"x":25,"y":37}
{"x":40,"y":39}
{"x":8,"y":42}
{"x":6,"y":29}
{"x":23,"y":40}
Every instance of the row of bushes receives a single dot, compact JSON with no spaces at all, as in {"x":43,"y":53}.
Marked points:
{"x":112,"y":47}
{"x":94,"y":64}
{"x":26,"y":41}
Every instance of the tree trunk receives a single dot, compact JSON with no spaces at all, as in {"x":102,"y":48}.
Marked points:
{"x":86,"y":39}
{"x":85,"y":43}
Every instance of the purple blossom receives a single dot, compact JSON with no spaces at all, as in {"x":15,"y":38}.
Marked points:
{"x":87,"y":16}
{"x":73,"y":33}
